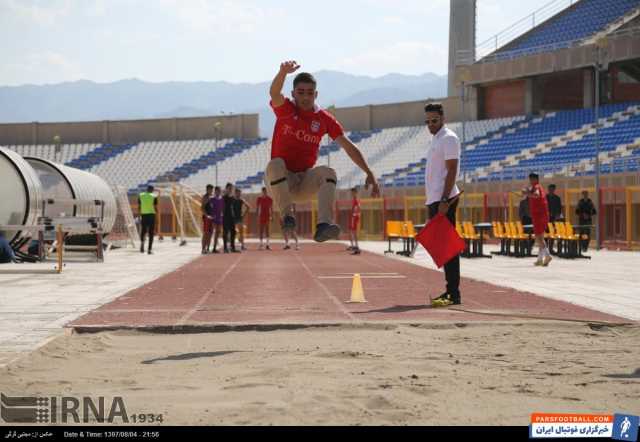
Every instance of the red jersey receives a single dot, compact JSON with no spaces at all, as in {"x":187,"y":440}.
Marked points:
{"x":264,"y":204}
{"x":297,"y":135}
{"x":538,"y":205}
{"x":355,"y":208}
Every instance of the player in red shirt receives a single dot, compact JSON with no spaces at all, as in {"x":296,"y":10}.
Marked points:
{"x":354,"y":222}
{"x":265,"y":215}
{"x":540,"y":215}
{"x":291,"y":175}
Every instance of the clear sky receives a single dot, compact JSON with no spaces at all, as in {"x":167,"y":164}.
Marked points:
{"x":51,"y":41}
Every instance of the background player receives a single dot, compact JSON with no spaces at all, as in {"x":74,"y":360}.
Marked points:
{"x":265,"y":215}
{"x":540,"y":215}
{"x":354,"y":222}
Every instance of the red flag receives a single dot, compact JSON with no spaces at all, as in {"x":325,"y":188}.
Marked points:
{"x":440,"y":240}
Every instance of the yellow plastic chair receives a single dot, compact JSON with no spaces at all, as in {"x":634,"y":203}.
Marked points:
{"x":551,"y":234}
{"x":470,"y":231}
{"x":394,"y":231}
{"x":498,"y":233}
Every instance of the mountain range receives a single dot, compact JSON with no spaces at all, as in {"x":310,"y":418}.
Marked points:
{"x":85,"y":100}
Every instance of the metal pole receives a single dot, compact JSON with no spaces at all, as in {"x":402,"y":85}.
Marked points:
{"x":217,"y":145}
{"x":462,"y":148}
{"x":597,"y":140}
{"x":464,"y":137}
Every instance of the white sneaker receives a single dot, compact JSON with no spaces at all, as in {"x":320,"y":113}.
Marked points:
{"x":297,"y":248}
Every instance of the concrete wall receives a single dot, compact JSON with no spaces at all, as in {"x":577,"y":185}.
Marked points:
{"x":384,"y":116}
{"x":563,"y":90}
{"x":504,"y":99}
{"x":128,"y":131}
{"x":360,"y":118}
{"x":18,"y":133}
{"x":621,"y":90}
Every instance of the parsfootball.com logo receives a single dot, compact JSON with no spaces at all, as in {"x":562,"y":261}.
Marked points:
{"x":622,"y":427}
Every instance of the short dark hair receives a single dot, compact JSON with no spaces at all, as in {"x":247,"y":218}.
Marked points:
{"x":217,"y":188}
{"x":149,"y":188}
{"x":304,"y":77}
{"x":228,"y":185}
{"x":209,"y":186}
{"x":534,"y":175}
{"x":354,"y":189}
{"x":552,"y":186}
{"x":264,"y":189}
{"x":434,"y":107}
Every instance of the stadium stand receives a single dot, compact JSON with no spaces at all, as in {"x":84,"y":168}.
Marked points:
{"x":536,"y":144}
{"x":68,"y":152}
{"x":615,"y":136}
{"x":230,"y":169}
{"x":582,"y":20}
{"x":99,"y":155}
{"x":498,"y":149}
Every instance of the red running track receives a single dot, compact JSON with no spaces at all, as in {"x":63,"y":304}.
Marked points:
{"x":278,"y":288}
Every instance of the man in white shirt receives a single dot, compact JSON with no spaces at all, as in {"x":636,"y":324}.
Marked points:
{"x":443,"y":167}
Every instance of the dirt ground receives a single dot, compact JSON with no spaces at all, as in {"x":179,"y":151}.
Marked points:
{"x":383,"y":374}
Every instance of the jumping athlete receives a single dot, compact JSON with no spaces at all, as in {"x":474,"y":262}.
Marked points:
{"x":291,"y":175}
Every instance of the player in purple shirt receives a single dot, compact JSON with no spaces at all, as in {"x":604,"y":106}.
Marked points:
{"x":216,"y":206}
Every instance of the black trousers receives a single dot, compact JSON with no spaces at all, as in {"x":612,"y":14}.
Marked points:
{"x":452,"y":268}
{"x":148,"y":224}
{"x":229,"y":234}
{"x":585,"y":231}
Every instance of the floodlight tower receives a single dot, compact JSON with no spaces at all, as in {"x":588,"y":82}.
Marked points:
{"x":462,"y":39}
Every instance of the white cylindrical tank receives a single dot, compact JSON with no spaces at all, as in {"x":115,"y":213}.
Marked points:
{"x":20,"y":194}
{"x":59,"y":181}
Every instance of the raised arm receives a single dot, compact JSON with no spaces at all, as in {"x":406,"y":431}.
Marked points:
{"x":356,"y":156}
{"x":286,"y":68}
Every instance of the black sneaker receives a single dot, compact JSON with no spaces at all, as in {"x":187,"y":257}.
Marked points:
{"x":355,"y":251}
{"x":226,"y":250}
{"x":326,"y":232}
{"x":150,"y":252}
{"x":286,"y":248}
{"x":141,"y":249}
{"x":446,"y":300}
{"x":215,"y":251}
{"x":289,"y":222}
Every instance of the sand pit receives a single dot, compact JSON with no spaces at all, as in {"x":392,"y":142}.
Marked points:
{"x":383,"y":374}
